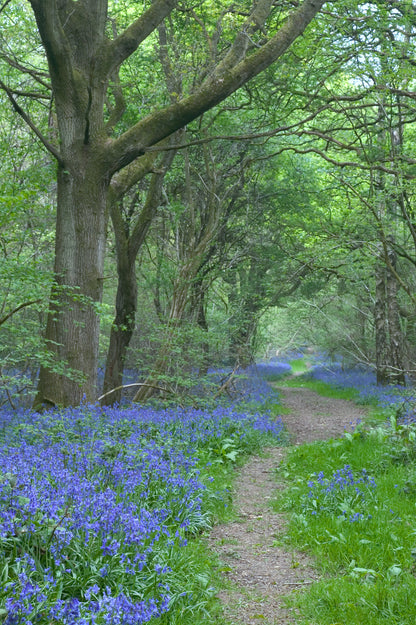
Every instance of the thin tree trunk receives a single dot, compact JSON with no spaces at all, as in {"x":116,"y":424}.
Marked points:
{"x":380,"y":325}
{"x":201,"y":319}
{"x":396,"y":360}
{"x":128,"y":246}
{"x":388,"y":334}
{"x":120,"y":336}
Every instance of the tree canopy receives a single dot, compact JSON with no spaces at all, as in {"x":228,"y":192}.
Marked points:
{"x":214,"y":162}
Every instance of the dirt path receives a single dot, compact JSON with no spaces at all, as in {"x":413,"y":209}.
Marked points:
{"x":261,"y":571}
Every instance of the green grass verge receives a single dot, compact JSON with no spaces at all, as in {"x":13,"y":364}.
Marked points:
{"x":300,"y":365}
{"x":375,"y":414}
{"x":352,"y":504}
{"x":324,"y":389}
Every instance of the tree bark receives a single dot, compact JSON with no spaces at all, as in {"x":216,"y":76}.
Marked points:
{"x":198,"y":306}
{"x":388,"y":334}
{"x":380,"y":325}
{"x":72,"y":332}
{"x":396,"y":360}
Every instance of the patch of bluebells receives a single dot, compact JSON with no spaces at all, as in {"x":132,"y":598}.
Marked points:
{"x":248,"y":386}
{"x":344,"y":493}
{"x":253,"y":387}
{"x":401,"y":400}
{"x":94,"y":500}
{"x":28,"y":603}
{"x":271,"y":369}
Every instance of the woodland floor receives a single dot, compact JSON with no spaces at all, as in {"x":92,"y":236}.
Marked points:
{"x":261,"y":571}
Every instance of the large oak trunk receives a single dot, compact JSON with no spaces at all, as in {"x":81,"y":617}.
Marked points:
{"x":72,"y":332}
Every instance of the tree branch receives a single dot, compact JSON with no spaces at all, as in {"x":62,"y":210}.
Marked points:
{"x":125,"y":44}
{"x":151,"y":205}
{"x":213,"y":90}
{"x":15,"y":310}
{"x":131,"y":175}
{"x":51,"y":148}
{"x":39,"y":76}
{"x":54,"y":39}
{"x":118,"y":388}
{"x":333,"y":161}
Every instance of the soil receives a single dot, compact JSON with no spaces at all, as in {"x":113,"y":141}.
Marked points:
{"x":260,"y":569}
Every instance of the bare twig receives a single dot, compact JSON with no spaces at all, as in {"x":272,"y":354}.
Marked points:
{"x":228,"y":381}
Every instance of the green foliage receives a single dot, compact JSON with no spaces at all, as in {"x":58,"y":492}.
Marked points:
{"x":26,"y":240}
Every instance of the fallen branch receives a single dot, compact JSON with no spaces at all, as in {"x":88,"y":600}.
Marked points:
{"x":118,"y":388}
{"x":229,"y":379}
{"x":158,"y":388}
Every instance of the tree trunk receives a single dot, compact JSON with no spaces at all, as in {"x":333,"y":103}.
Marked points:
{"x":397,"y":368}
{"x":380,"y":326}
{"x":198,"y":306}
{"x":242,"y":339}
{"x":120,"y":335}
{"x":128,"y":245}
{"x":72,"y":333}
{"x":389,"y":340}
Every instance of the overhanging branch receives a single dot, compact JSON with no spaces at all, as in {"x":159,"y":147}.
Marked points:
{"x":125,"y":44}
{"x":213,"y":90}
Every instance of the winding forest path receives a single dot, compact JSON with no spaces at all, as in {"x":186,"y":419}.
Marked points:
{"x":260,"y":569}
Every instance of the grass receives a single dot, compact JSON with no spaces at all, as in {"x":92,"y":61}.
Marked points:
{"x":352,"y":504}
{"x":300,"y":365}
{"x":324,"y":389}
{"x":375,"y":414}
